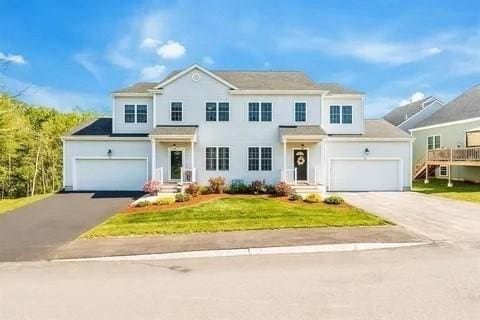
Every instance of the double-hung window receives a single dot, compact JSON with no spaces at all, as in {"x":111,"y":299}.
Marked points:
{"x":217,"y":158}
{"x":129,"y":113}
{"x":300,"y":111}
{"x":141,"y":113}
{"x":211,"y":111}
{"x":341,"y":114}
{"x":433,"y":142}
{"x":217,"y":111}
{"x":346,"y":114}
{"x":443,"y":171}
{"x":260,"y":158}
{"x":259,"y":111}
{"x":176,"y":111}
{"x":334,"y":114}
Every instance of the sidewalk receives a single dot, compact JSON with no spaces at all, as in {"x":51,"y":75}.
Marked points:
{"x":121,"y":246}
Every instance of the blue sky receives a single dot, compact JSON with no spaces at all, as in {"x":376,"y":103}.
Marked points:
{"x":74,"y":53}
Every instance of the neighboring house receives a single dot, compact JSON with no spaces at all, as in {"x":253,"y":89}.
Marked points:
{"x":408,"y":116}
{"x":452,"y":138}
{"x":241,"y":125}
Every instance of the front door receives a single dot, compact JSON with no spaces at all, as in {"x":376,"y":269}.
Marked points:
{"x":300,"y":158}
{"x":176,"y":163}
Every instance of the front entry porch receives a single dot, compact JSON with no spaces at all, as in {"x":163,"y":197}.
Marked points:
{"x":173,"y":155}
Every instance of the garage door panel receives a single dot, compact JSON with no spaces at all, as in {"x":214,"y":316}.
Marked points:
{"x":364,"y":175}
{"x":110,"y":174}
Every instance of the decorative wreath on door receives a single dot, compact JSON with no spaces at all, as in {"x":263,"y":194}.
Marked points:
{"x":300,"y":160}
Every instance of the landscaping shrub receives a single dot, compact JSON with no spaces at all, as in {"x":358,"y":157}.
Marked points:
{"x":140,"y":204}
{"x":270,"y":189}
{"x":165,"y":200}
{"x":282,"y":189}
{"x":193,"y":189}
{"x":334,"y":200}
{"x":258,"y":187}
{"x":238,"y":188}
{"x":294,"y":197}
{"x":217,"y":184}
{"x":204,"y":190}
{"x":313,"y":198}
{"x":182,"y":197}
{"x":151,"y":187}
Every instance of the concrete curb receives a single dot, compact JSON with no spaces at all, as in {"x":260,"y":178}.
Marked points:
{"x":253,"y":251}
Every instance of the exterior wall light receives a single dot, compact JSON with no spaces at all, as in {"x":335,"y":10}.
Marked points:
{"x":366,"y":152}
{"x":109,"y":153}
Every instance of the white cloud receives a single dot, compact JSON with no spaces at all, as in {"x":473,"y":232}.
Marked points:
{"x":207,"y":60}
{"x":120,"y":54}
{"x":153,"y":73}
{"x":12,"y":58}
{"x":171,"y":50}
{"x":86,"y":61}
{"x":414,"y":97}
{"x":60,"y":99}
{"x":150,"y":43}
{"x":370,"y":50}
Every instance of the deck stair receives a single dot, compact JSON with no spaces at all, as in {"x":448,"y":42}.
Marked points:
{"x":170,"y":187}
{"x":305,"y":188}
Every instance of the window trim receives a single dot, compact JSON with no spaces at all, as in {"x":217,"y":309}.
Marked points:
{"x":466,"y":139}
{"x":259,"y":111}
{"x":217,"y":112}
{"x":351,"y":114}
{"x":217,"y":158}
{"x":339,"y":114}
{"x":433,"y":136}
{"x":440,"y":171}
{"x":295,"y":111}
{"x":260,"y":158}
{"x":135,"y":111}
{"x":170,"y":111}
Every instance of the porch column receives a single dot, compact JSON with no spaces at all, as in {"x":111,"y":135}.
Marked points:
{"x":153,"y":158}
{"x":192,"y":154}
{"x":450,"y":184}
{"x":285,"y":161}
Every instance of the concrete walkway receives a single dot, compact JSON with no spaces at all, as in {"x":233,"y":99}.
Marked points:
{"x":120,"y":246}
{"x":33,"y":231}
{"x":437,"y":218}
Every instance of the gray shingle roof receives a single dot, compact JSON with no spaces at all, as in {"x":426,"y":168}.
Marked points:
{"x":302,"y":130}
{"x":139,"y":87}
{"x":100,"y":127}
{"x":257,"y":80}
{"x":402,"y":113}
{"x":378,"y":128}
{"x":465,"y":106}
{"x":167,"y":130}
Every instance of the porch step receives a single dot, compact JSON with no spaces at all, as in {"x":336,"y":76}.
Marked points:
{"x":309,"y":188}
{"x":169,"y":187}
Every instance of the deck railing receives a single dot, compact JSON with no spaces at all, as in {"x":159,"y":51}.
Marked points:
{"x":461,"y":154}
{"x":318,"y":175}
{"x":290,"y":176}
{"x":188,"y":175}
{"x":158,"y":175}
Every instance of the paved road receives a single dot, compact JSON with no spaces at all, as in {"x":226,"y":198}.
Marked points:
{"x":33,"y":231}
{"x":431,"y":216}
{"x":431,"y":282}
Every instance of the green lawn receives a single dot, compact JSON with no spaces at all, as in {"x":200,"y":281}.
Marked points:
{"x":460,"y":190}
{"x":234,"y":213}
{"x":10,"y":204}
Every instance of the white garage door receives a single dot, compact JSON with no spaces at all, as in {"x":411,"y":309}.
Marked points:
{"x":365,"y":175}
{"x":110,"y":174}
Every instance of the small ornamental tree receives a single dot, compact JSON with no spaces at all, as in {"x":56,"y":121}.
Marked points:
{"x":151,"y":187}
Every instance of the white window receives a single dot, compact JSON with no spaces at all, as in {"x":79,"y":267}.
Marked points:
{"x":222,"y":113}
{"x":260,"y":158}
{"x":176,"y":111}
{"x":217,"y":158}
{"x":136,"y":113}
{"x":341,"y":114}
{"x":346,"y":114}
{"x":433,"y":142}
{"x":443,"y":171}
{"x":300,"y":111}
{"x":260,"y":111}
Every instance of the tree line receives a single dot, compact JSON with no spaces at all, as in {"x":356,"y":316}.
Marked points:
{"x":30,"y":146}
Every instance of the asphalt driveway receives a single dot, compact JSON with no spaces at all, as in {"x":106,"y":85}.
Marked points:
{"x":431,"y":216}
{"x":33,"y":231}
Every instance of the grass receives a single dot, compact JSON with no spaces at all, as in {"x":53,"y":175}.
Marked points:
{"x":234,"y":213}
{"x":10,"y":204}
{"x":460,"y":191}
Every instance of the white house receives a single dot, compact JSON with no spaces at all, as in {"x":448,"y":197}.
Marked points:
{"x":245,"y":125}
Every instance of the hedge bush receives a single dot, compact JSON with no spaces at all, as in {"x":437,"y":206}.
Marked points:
{"x":193,"y":189}
{"x":294,"y":197}
{"x":165,"y":200}
{"x":217,"y":184}
{"x":182,"y":197}
{"x":282,"y":189}
{"x":334,"y":200}
{"x":313,"y":198}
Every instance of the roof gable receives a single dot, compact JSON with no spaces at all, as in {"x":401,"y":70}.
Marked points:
{"x":405,"y":112}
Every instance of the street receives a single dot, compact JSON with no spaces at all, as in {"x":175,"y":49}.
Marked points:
{"x":438,"y":281}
